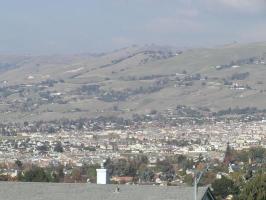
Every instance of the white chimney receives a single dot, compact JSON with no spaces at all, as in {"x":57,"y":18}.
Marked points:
{"x":101,"y":175}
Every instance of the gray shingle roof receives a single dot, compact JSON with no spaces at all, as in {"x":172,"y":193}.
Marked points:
{"x":62,"y":191}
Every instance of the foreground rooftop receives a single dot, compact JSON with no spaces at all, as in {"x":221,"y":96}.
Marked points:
{"x":64,"y":191}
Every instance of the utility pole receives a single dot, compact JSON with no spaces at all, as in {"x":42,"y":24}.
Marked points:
{"x":195,"y":186}
{"x":197,"y":177}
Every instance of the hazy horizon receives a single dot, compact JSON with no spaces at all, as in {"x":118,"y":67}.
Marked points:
{"x":69,"y":27}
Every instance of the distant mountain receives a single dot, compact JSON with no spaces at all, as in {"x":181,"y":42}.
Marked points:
{"x":132,"y":80}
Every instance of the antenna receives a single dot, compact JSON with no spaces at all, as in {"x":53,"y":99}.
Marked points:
{"x":102,"y":164}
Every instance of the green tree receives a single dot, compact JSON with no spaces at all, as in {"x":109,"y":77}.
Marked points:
{"x":36,"y":174}
{"x":58,"y":147}
{"x":91,"y":172}
{"x":121,"y":167}
{"x":229,"y":155}
{"x":255,"y":189}
{"x":76,"y":175}
{"x":223,"y":187}
{"x":18,"y":164}
{"x":257,"y":154}
{"x":145,"y":174}
{"x":166,"y":169}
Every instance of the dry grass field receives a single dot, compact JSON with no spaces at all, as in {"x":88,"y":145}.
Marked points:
{"x":131,"y":80}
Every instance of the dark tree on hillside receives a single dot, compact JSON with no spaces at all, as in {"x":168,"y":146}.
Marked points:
{"x":229,"y":155}
{"x":58,"y":147}
{"x":18,"y":164}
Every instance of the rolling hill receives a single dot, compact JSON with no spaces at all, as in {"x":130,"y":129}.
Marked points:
{"x":131,"y":80}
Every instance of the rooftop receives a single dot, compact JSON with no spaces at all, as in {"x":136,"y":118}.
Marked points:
{"x":64,"y":191}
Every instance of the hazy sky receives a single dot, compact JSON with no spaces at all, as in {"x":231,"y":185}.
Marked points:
{"x":74,"y":26}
